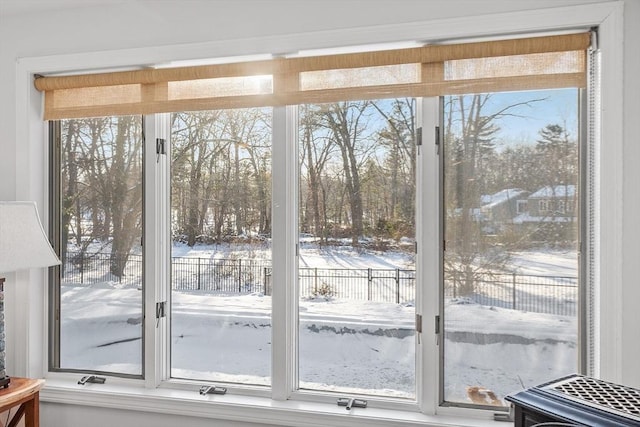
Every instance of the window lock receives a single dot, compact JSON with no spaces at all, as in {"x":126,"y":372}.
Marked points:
{"x":92,"y":379}
{"x":211,"y":389}
{"x":350,"y":402}
{"x":160,"y":146}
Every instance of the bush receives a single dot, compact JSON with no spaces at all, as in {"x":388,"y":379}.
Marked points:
{"x":325,"y":291}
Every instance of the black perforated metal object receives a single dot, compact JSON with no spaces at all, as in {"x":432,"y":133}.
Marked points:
{"x":577,"y":400}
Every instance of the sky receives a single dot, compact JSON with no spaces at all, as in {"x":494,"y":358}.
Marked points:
{"x":559,"y":106}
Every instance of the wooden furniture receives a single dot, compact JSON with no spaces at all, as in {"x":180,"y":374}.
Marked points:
{"x":579,"y":401}
{"x":4,"y":379}
{"x":25,"y":394}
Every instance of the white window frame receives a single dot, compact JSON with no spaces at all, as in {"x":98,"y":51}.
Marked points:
{"x":27,"y":355}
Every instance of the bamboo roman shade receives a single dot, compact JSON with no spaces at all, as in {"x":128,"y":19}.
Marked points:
{"x":505,"y":65}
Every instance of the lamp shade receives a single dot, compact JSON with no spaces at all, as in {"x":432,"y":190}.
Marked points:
{"x":23,"y":242}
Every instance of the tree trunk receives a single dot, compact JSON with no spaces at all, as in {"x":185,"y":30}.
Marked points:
{"x":126,"y":203}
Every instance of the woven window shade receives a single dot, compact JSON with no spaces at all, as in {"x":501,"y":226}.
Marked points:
{"x":505,"y":65}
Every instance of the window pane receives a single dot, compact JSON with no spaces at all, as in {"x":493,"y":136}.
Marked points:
{"x":511,"y":229}
{"x":221,"y":251}
{"x":356,"y":261}
{"x":101,"y":230}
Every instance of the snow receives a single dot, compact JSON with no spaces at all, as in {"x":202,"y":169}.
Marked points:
{"x":526,"y":217}
{"x":556,"y":191}
{"x":492,"y":200}
{"x":348,"y":346}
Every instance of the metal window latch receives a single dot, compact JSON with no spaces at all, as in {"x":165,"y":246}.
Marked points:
{"x":161,"y":308}
{"x":211,"y":389}
{"x":161,"y":311}
{"x":160,"y":147}
{"x":91,"y":379}
{"x":350,"y":402}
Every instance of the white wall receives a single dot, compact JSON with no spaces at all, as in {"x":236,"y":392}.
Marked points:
{"x":630,"y":346}
{"x":52,"y":415}
{"x":157,"y":23}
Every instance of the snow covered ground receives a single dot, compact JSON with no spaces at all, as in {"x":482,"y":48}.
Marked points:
{"x":350,"y":346}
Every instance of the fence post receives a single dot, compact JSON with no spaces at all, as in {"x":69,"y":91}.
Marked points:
{"x":315,"y":281}
{"x":397,"y":286}
{"x":514,"y":290}
{"x":369,"y":280}
{"x":82,"y":267}
{"x":198,"y":281}
{"x":264,"y":280}
{"x":455,"y":283}
{"x":239,"y":276}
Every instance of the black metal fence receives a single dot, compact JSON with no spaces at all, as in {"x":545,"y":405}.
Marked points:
{"x":369,"y":284}
{"x":542,"y":294}
{"x":232,"y":276}
{"x":539,"y":294}
{"x":85,"y":267}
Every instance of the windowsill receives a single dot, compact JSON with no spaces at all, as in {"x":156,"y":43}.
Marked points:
{"x":239,"y":408}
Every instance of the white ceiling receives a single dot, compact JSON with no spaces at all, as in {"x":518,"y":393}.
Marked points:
{"x":15,"y":7}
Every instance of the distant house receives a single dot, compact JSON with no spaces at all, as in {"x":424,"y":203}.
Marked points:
{"x":547,"y":214}
{"x":551,"y":214}
{"x":500,"y":208}
{"x":555,"y":204}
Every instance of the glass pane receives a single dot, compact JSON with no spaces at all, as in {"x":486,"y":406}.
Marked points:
{"x":101,"y":230}
{"x":356,"y":260}
{"x":221,"y":249}
{"x":511,"y":230}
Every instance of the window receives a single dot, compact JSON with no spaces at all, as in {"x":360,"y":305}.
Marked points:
{"x":544,"y":206}
{"x":522,"y":206}
{"x":99,"y":297}
{"x":356,"y":273}
{"x":560,"y":207}
{"x":499,"y":304}
{"x":220,"y":251}
{"x":292,"y":253}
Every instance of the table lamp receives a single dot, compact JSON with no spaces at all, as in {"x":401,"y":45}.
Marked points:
{"x":23,"y":245}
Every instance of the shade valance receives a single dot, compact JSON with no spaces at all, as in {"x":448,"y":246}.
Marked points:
{"x":516,"y":64}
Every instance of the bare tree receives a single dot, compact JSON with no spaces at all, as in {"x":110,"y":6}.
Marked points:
{"x":316,"y":151}
{"x":102,"y":185}
{"x":220,"y":173}
{"x":347,"y":122}
{"x":399,"y":138}
{"x":126,"y":184}
{"x":470,"y":130}
{"x":196,"y":144}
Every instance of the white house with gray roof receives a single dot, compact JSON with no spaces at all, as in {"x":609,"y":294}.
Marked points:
{"x":550,"y":204}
